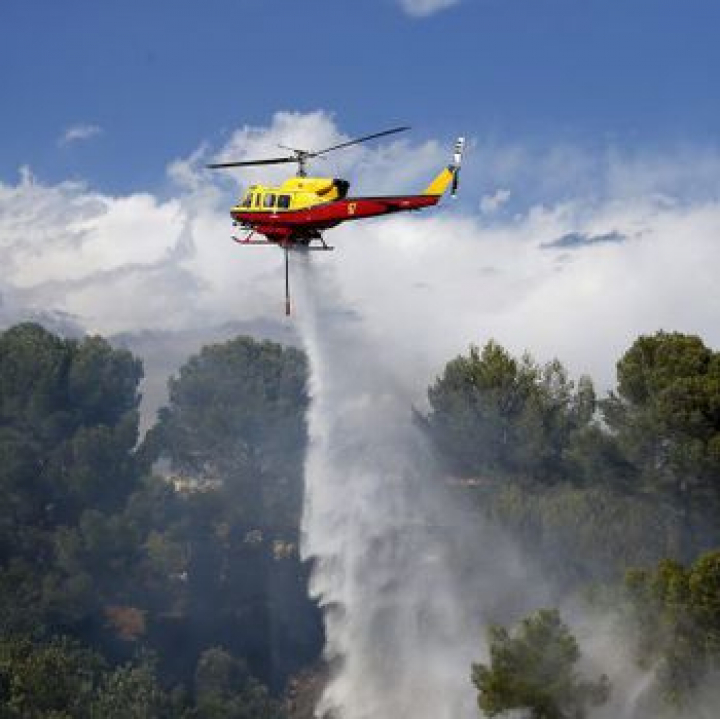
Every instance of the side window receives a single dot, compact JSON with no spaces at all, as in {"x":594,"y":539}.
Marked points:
{"x":258,"y":199}
{"x":247,"y":202}
{"x":269,"y":201}
{"x":283,"y":202}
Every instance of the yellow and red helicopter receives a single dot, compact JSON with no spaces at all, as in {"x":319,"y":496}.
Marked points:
{"x":294,"y":215}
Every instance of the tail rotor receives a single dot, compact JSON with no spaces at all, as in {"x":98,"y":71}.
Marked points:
{"x":457,"y":162}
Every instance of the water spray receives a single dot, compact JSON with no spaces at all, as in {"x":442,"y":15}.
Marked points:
{"x":401,"y":573}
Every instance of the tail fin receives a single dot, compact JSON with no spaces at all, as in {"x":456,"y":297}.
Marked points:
{"x":449,"y":175}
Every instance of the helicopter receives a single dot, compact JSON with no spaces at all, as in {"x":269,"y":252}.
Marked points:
{"x":295,"y":214}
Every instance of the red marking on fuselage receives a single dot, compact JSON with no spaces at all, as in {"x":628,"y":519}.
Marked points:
{"x":288,"y":225}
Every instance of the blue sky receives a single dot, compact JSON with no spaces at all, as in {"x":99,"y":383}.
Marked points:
{"x":151,"y":80}
{"x":589,"y":209}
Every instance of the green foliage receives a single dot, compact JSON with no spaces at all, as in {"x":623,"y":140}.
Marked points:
{"x":704,"y":592}
{"x":589,"y":499}
{"x":51,"y":680}
{"x":236,"y":422}
{"x":93,"y":547}
{"x":666,"y":418}
{"x":60,"y":679}
{"x":493,"y":413}
{"x":49,"y":387}
{"x":96,"y":563}
{"x":675,"y":614}
{"x":225,"y":690}
{"x":131,"y":692}
{"x":237,"y":415}
{"x":534,"y":668}
{"x":582,"y":534}
{"x":103,"y":382}
{"x":68,"y":424}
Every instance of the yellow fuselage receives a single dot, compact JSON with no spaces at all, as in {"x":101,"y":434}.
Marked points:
{"x":297,"y":193}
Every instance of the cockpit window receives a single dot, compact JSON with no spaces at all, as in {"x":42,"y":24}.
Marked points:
{"x":283,"y":202}
{"x":258,"y":199}
{"x":269,"y":200}
{"x":247,"y":201}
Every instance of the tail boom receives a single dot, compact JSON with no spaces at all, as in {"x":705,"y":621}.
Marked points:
{"x":441,"y":182}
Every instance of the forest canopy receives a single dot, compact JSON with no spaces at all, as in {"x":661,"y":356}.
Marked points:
{"x":160,"y":576}
{"x":122,"y":594}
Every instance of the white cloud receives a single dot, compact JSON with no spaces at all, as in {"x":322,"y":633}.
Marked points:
{"x":432,"y":285}
{"x":423,"y":8}
{"x":425,"y":284}
{"x":79,"y":133}
{"x":493,"y":202}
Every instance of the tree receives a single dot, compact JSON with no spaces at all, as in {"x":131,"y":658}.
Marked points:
{"x":675,"y":615}
{"x":68,"y":428}
{"x":235,"y":423}
{"x":704,"y":591}
{"x":225,"y":690}
{"x":96,"y":564}
{"x":237,"y":414}
{"x":131,"y":692}
{"x":93,"y":546}
{"x":491,"y":412}
{"x":68,"y":425}
{"x":55,"y":679}
{"x":582,"y":534}
{"x":534,"y":669}
{"x":666,"y":419}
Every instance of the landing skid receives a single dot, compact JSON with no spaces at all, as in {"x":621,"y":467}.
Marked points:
{"x":310,"y":248}
{"x":247,"y":241}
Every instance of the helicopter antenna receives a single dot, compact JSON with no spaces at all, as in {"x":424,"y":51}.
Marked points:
{"x":301,"y":157}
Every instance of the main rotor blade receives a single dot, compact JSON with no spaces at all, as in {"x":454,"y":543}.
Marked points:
{"x":301,"y":154}
{"x":293,"y":149}
{"x":359,"y":139}
{"x":245,"y":163}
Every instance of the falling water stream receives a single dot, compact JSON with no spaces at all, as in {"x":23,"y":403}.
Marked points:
{"x":403,"y":611}
{"x":407,"y":576}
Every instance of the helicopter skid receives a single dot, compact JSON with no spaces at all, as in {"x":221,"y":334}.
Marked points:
{"x":244,"y":241}
{"x":300,"y":247}
{"x":308,"y":248}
